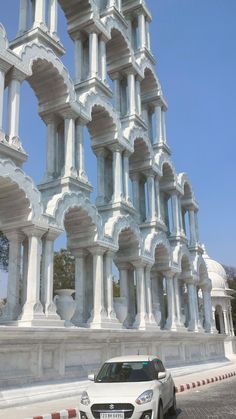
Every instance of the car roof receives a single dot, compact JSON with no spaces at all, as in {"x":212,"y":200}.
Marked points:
{"x":132,"y":358}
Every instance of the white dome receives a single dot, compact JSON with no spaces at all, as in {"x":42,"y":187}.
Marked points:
{"x":216,"y":272}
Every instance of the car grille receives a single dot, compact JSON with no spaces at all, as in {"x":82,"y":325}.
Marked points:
{"x":125,"y":408}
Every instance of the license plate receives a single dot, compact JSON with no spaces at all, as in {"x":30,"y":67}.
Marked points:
{"x":112,"y":415}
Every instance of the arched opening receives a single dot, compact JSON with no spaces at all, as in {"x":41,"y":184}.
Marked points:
{"x":186,"y":203}
{"x":128,"y":252}
{"x":150,"y":108}
{"x":219,"y":319}
{"x":183,"y":291}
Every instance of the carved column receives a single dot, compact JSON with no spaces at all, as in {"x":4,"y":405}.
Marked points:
{"x":175,"y":213}
{"x":33,"y":309}
{"x":177,"y":301}
{"x":103,"y":58}
{"x":99,"y":314}
{"x":93,"y":54}
{"x":117,"y":91}
{"x":158,"y":120}
{"x":158,"y":199}
{"x":79,"y":61}
{"x":124,"y":288}
{"x":80,"y":283}
{"x":142,"y":30}
{"x":141,"y":317}
{"x":135,"y":188}
{"x":193,"y":240}
{"x":53,"y":12}
{"x":138,"y":96}
{"x":131,"y":93}
{"x":25,"y":245}
{"x":150,"y":316}
{"x":40,"y":13}
{"x":192,"y":307}
{"x":79,"y":150}
{"x":100,"y":153}
{"x":171,"y":319}
{"x":126,"y":176}
{"x":231,"y":322}
{"x":13,"y":107}
{"x":151,"y":197}
{"x":109,"y":286}
{"x":47,"y":277}
{"x":117,"y":174}
{"x":12,"y":308}
{"x":2,"y":84}
{"x":148,"y":35}
{"x":207,"y":310}
{"x":23,"y":18}
{"x":51,"y":149}
{"x":70,"y":147}
{"x":226,"y":322}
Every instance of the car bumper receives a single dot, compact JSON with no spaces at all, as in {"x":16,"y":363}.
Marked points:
{"x":145,"y":411}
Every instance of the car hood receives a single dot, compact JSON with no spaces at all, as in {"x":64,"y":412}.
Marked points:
{"x":112,"y":390}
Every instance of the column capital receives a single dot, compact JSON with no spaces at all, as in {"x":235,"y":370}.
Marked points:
{"x":139,"y":264}
{"x":97,"y":250}
{"x":34,"y":231}
{"x":16,"y":74}
{"x":79,"y":253}
{"x":14,"y":235}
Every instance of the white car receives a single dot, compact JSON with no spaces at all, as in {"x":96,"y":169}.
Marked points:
{"x":136,"y":387}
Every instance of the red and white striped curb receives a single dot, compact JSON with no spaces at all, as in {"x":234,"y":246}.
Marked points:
{"x":63,"y":414}
{"x":198,"y":383}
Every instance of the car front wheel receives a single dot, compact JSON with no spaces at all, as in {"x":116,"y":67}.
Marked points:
{"x":172,"y":409}
{"x":160,"y":411}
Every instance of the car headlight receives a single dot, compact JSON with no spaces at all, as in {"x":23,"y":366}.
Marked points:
{"x":85,"y":398}
{"x":145,"y":397}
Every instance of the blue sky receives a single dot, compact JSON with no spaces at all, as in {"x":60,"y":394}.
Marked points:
{"x":194,"y":43}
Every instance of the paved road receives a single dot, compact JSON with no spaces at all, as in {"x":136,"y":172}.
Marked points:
{"x":216,"y":401}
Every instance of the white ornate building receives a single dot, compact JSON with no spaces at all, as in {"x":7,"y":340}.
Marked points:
{"x":145,"y":217}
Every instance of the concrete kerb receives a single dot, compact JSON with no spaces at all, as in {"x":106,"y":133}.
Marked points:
{"x":183,"y":387}
{"x":63,"y":414}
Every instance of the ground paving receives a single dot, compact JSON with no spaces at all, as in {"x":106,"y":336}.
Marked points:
{"x":181,"y":375}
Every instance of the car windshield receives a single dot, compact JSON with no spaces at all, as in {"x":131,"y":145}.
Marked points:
{"x":125,"y":372}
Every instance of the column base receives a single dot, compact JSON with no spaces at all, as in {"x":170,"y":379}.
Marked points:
{"x":141,"y":322}
{"x":104,"y":324}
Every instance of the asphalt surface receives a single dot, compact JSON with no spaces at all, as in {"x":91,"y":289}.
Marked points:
{"x":216,"y":401}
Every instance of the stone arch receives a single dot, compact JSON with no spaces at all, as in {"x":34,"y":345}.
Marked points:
{"x":58,"y":207}
{"x":137,"y":133}
{"x":74,"y":9}
{"x":142,"y":152}
{"x":20,"y":184}
{"x":186,"y":186}
{"x":155,"y":239}
{"x":3,"y":38}
{"x":150,"y":85}
{"x":116,"y":225}
{"x":123,"y":46}
{"x":43,"y":64}
{"x":104,"y":110}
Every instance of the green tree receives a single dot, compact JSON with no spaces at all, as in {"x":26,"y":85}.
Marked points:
{"x":4,"y":252}
{"x":64,"y":270}
{"x":231,"y":277}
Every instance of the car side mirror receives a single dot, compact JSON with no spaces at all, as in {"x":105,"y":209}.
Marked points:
{"x":91,"y":377}
{"x":161,"y":375}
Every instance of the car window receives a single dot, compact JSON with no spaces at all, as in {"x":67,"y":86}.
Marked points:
{"x":158,"y":366}
{"x":120,"y":372}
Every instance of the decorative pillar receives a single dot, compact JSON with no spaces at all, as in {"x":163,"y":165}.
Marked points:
{"x":163,"y":124}
{"x":171,"y":319}
{"x":148,"y":35}
{"x":131,"y":93}
{"x":124,"y":290}
{"x":24,"y":270}
{"x":150,"y":316}
{"x":78,"y":43}
{"x":47,"y":278}
{"x":142,"y":30}
{"x":151,"y":197}
{"x":103,"y":58}
{"x":180,"y":216}
{"x":196,"y":225}
{"x":175,"y":213}
{"x":109,"y":286}
{"x":12,"y":308}
{"x":150,"y":127}
{"x":117,"y":91}
{"x":13,"y":107}
{"x":70,"y":147}
{"x":158,"y":199}
{"x":158,"y":120}
{"x":226,"y":322}
{"x":2,"y":84}
{"x":231,"y":322}
{"x":141,"y":317}
{"x":117,"y":175}
{"x":33,"y":310}
{"x":53,"y":12}
{"x":99,"y":314}
{"x":135,"y":187}
{"x":93,"y":54}
{"x":145,"y":115}
{"x":193,"y":240}
{"x":79,"y":150}
{"x":100,"y":153}
{"x":80,"y":283}
{"x":138,"y":96}
{"x":126,"y":175}
{"x":177,"y":301}
{"x":40,"y":13}
{"x":23,"y":19}
{"x":51,"y":149}
{"x":192,"y":308}
{"x":207,"y":310}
